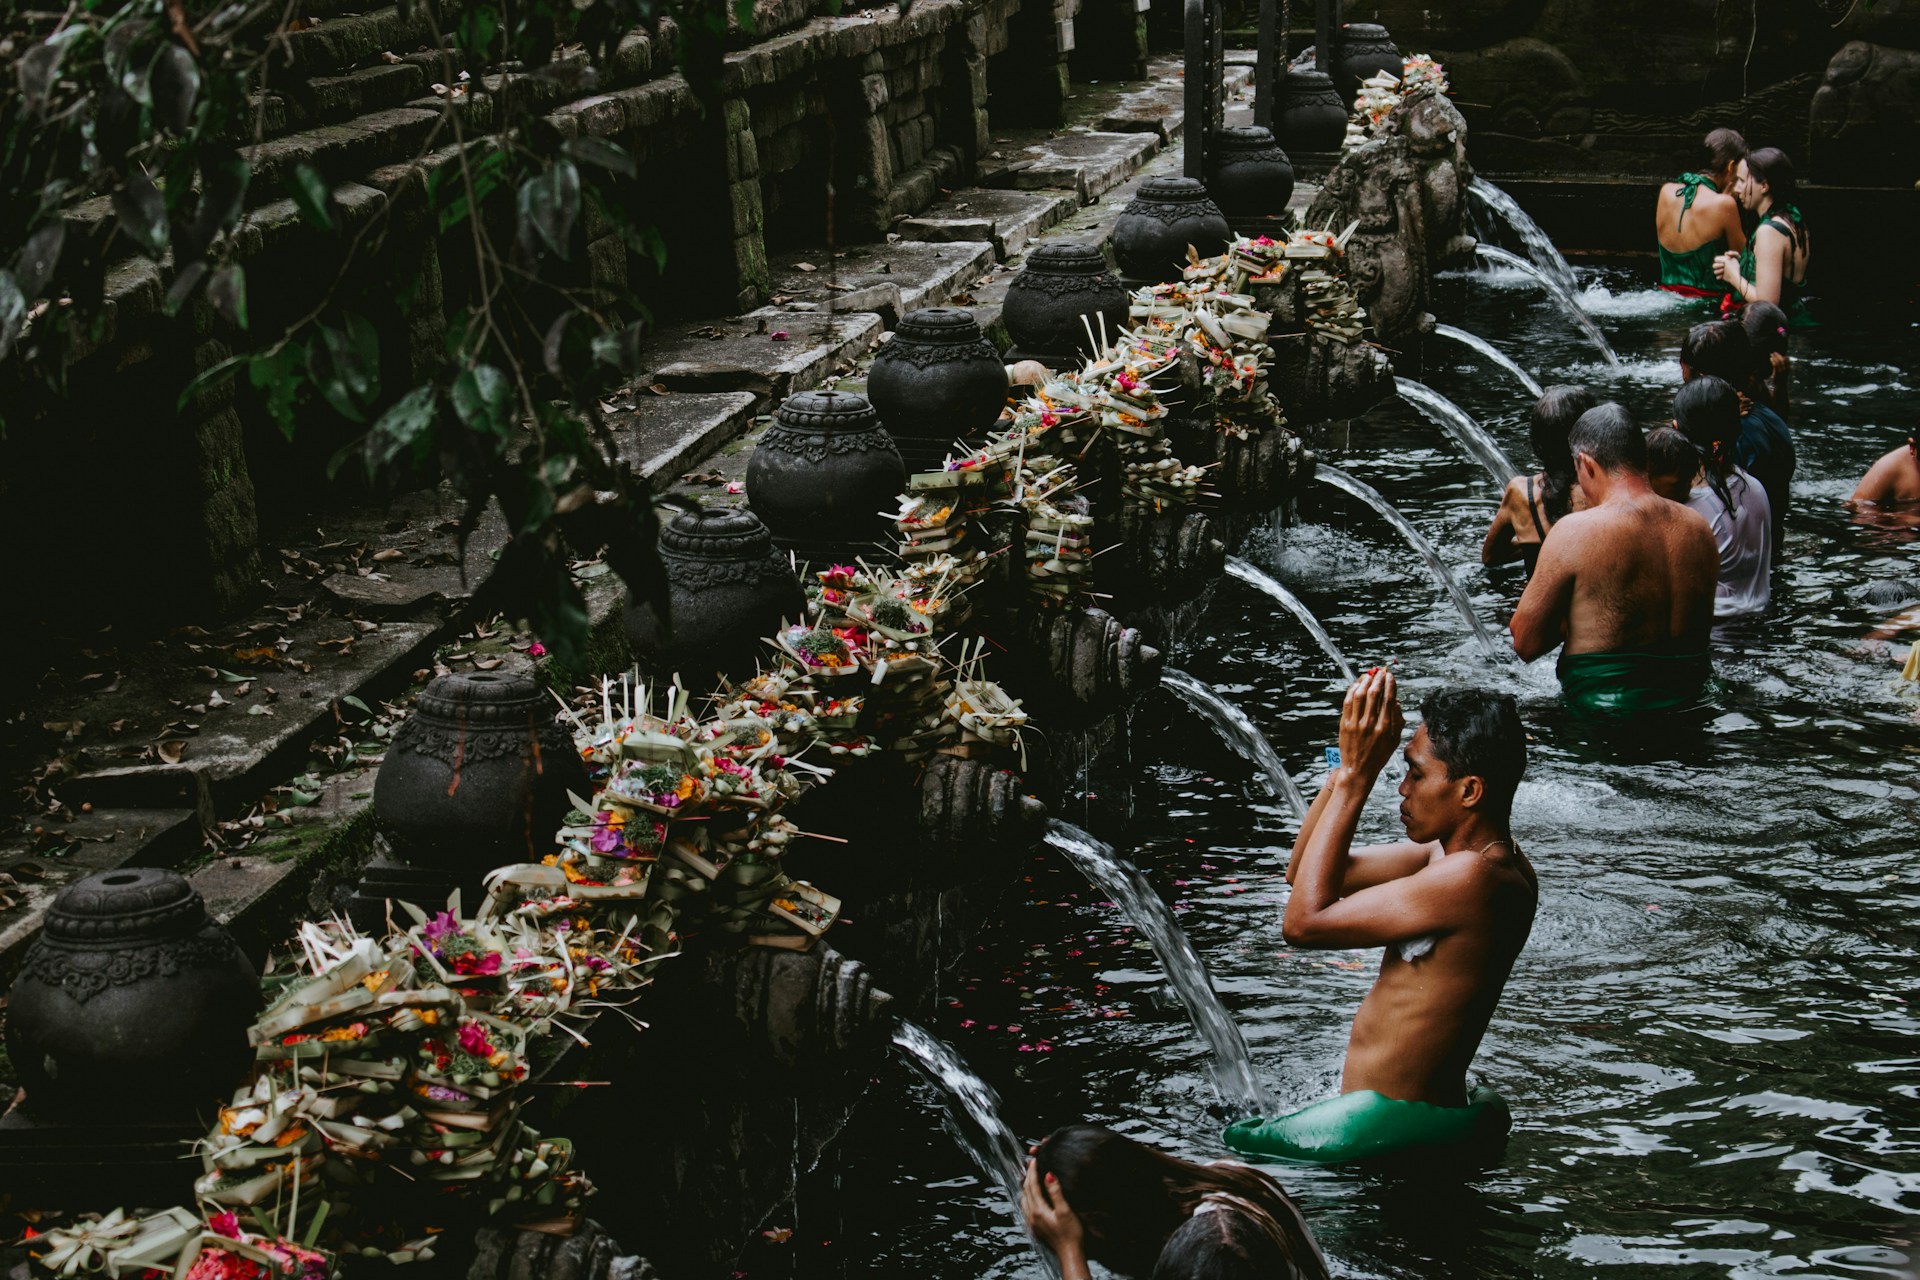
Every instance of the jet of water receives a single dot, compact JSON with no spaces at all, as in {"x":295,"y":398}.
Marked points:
{"x":1492,"y":353}
{"x":1415,"y":539}
{"x":1237,"y":729}
{"x":1119,"y":879}
{"x":1260,"y":580}
{"x":1459,"y":424}
{"x":1493,"y":253}
{"x":1540,"y":248}
{"x":988,"y":1141}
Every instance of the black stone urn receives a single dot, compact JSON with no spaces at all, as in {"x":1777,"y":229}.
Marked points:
{"x":132,"y":1006}
{"x":477,"y":778}
{"x":1310,"y":115}
{"x":937,"y":382}
{"x":1062,"y":281}
{"x":727,"y":588}
{"x":1151,"y":237}
{"x":824,"y":477}
{"x":1250,"y":175}
{"x":1365,"y":48}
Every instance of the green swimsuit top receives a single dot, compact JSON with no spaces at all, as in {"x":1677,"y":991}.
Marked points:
{"x":1786,"y":221}
{"x":1694,"y":268}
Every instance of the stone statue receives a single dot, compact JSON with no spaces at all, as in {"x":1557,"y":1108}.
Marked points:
{"x":1407,"y":192}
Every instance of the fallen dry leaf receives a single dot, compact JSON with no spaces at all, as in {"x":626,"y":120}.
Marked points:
{"x":658,"y":388}
{"x":171,"y":750}
{"x":804,"y":266}
{"x":486,"y":664}
{"x":389,"y":554}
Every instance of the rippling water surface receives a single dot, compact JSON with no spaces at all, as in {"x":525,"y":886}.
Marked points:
{"x":1709,"y":1044}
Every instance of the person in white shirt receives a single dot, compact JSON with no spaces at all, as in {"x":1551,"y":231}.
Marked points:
{"x":1707,"y":412}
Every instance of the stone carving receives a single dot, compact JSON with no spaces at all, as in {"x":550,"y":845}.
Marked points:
{"x":726,"y":588}
{"x":969,"y":805}
{"x":1061,"y":282}
{"x":938,"y":381}
{"x":477,"y":776}
{"x":1169,"y":215}
{"x":1407,"y":193}
{"x":1865,"y":117}
{"x":131,"y":1007}
{"x":823,"y":476}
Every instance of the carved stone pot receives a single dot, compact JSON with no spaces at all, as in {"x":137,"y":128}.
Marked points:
{"x":477,"y":778}
{"x":131,"y":1007}
{"x":824,"y":476}
{"x":727,"y":588}
{"x":1251,"y":176}
{"x":1061,"y":282}
{"x":938,"y":385}
{"x":1365,"y":49}
{"x":1310,"y":115}
{"x":1151,"y":237}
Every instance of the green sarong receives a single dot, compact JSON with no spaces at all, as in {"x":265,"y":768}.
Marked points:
{"x":1629,"y":684}
{"x":1365,"y":1125}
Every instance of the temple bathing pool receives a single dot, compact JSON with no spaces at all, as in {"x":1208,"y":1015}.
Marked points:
{"x":1709,"y":1044}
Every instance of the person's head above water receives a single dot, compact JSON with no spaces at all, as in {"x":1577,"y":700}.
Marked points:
{"x":1222,"y":1246}
{"x":1671,"y":463}
{"x":1554,"y":414}
{"x":1465,"y":761}
{"x":1707,"y":412}
{"x":1719,"y":348}
{"x":1766,"y":328}
{"x":1131,"y":1199}
{"x":1724,"y":149}
{"x":1607,"y":438}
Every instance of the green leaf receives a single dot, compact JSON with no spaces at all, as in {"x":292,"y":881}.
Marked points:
{"x":483,"y":397}
{"x":485,"y":174}
{"x":404,"y":433}
{"x":549,"y":203}
{"x":227,"y":292}
{"x":311,"y":195}
{"x":345,"y":366}
{"x":34,"y":266}
{"x":143,"y":213}
{"x":278,"y":375}
{"x":13,"y":313}
{"x":477,"y":27}
{"x":606,"y":155}
{"x":184,"y":284}
{"x":175,"y":81}
{"x":621,"y":349}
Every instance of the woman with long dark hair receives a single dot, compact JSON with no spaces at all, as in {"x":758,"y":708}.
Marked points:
{"x":1095,"y":1194}
{"x":1766,"y":327}
{"x":1773,"y":266}
{"x":1532,"y":503}
{"x":1707,"y":412}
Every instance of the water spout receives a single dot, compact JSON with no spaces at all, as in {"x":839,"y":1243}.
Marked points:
{"x":1459,"y":424}
{"x":1237,"y":729}
{"x":989,"y":1142}
{"x":1493,"y":253}
{"x":1232,"y":1064}
{"x":1415,"y":539}
{"x":1261,"y":580}
{"x":1492,"y":353}
{"x":1540,"y":248}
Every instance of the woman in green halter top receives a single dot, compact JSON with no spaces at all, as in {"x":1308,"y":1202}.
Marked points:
{"x":1773,"y":266}
{"x":1695,"y":221}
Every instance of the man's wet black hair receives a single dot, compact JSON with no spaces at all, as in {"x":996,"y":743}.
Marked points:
{"x":1608,"y":434}
{"x":1477,"y":733}
{"x":1721,"y":348}
{"x":1723,"y":147}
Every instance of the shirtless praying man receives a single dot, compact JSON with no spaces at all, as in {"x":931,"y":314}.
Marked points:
{"x":1452,"y":905}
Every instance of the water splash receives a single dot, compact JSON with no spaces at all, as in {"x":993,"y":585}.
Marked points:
{"x":1418,"y":541}
{"x":1237,"y":729}
{"x":1492,"y":353}
{"x":1493,"y":253}
{"x":1540,"y":248}
{"x":1459,"y":424}
{"x":1260,"y":580}
{"x":987,"y":1139}
{"x":1120,"y":880}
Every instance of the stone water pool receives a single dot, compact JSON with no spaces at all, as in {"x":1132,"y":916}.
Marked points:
{"x":1710,"y":1043}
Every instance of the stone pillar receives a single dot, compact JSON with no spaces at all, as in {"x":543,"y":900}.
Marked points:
{"x":1110,"y":40}
{"x":1029,"y":82}
{"x":748,"y":231}
{"x":225,"y":544}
